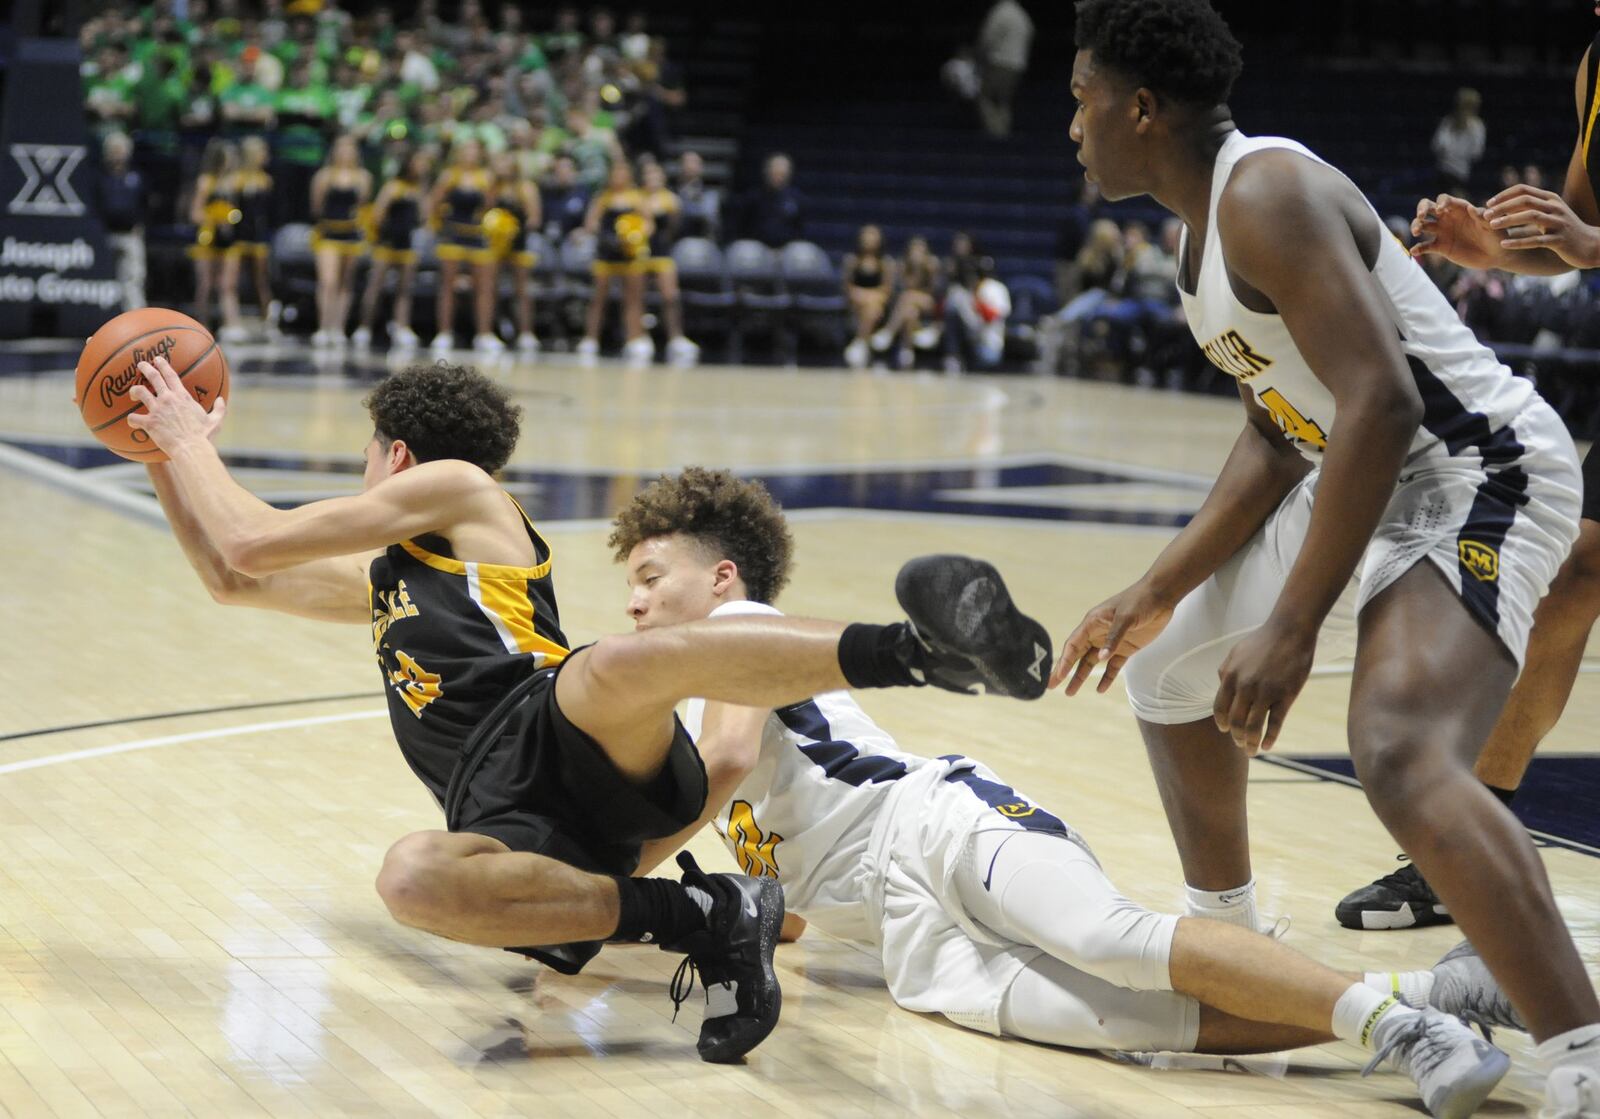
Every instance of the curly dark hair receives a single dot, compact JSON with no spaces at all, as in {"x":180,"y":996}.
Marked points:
{"x":447,"y":411}
{"x":1181,"y":48}
{"x":738,"y":520}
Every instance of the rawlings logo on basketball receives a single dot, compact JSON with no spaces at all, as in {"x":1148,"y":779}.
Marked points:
{"x":1480,"y":559}
{"x":118,"y":384}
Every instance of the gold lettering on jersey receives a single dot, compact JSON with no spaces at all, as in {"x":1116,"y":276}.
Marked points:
{"x":1480,"y":559}
{"x":416,"y":685}
{"x":757,"y":853}
{"x":1230,"y":353}
{"x":390,"y":607}
{"x":1291,"y":421}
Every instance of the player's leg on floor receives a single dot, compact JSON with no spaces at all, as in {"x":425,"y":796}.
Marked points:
{"x":621,"y":691}
{"x":1561,"y":626}
{"x":1414,"y":735}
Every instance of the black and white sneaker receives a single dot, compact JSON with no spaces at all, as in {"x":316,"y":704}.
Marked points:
{"x":1401,"y":900}
{"x":973,"y":637}
{"x":733,"y":956}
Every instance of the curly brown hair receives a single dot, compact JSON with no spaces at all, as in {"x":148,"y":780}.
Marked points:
{"x":447,"y":411}
{"x":738,"y":520}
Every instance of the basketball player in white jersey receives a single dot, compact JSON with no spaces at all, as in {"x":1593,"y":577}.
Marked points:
{"x":1390,"y":471}
{"x":988,"y":909}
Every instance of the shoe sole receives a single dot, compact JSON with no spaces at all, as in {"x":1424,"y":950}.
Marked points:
{"x":1468,"y":1092}
{"x":772,"y":912}
{"x":963,"y":605}
{"x":1408,"y":916}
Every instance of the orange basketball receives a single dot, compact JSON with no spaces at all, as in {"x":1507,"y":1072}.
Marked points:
{"x":109,"y":367}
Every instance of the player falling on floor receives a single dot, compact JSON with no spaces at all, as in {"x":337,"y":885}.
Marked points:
{"x":1385,"y":453}
{"x":552,"y":765}
{"x":986,"y":908}
{"x":1540,"y":233}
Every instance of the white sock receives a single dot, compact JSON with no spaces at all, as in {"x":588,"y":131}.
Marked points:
{"x":1235,"y":907}
{"x":1575,"y":1047}
{"x":1361,"y":1014}
{"x":1412,"y":986}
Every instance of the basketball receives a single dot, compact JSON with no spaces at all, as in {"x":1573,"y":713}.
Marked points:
{"x":109,"y":367}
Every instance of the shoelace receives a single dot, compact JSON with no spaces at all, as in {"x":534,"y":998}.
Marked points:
{"x":682,"y":984}
{"x":1429,"y":1051}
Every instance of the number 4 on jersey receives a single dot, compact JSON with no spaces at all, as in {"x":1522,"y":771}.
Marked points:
{"x":1290,"y":421}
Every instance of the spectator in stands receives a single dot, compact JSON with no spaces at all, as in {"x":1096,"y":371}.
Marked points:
{"x":518,"y":197}
{"x":460,"y":198}
{"x":563,"y":201}
{"x":250,"y":187}
{"x":961,"y":263}
{"x":566,"y":37}
{"x":1099,"y":264}
{"x":975,"y":322}
{"x":338,"y":192}
{"x":119,"y":197}
{"x":594,"y":149}
{"x":774,"y":213}
{"x":1458,"y":143}
{"x":702,"y":204}
{"x":214,"y":215}
{"x":416,"y":67}
{"x":914,"y":306}
{"x":305,"y":109}
{"x":247,"y":104}
{"x":869,"y":275}
{"x":660,"y":92}
{"x":1071,"y":235}
{"x":634,"y":42}
{"x":1003,"y":47}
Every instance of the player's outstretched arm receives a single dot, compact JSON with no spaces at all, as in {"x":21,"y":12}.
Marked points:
{"x":330,"y":590}
{"x":256,"y":539}
{"x":729,"y":745}
{"x":1280,"y":210}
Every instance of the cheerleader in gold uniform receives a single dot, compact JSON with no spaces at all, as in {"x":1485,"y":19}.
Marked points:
{"x":666,"y":216}
{"x":251,"y":189}
{"x":458,"y":203}
{"x":621,"y":228}
{"x":215,"y":213}
{"x":518,"y":200}
{"x":338,"y":191}
{"x":396,"y":216}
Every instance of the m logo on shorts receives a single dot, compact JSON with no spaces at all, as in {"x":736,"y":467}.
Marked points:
{"x":1480,"y":559}
{"x":1017,"y":810}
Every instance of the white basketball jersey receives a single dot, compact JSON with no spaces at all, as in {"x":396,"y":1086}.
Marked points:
{"x":1469,"y":398}
{"x":805,"y":814}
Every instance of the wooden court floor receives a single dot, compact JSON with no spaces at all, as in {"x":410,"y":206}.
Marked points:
{"x":194,"y":801}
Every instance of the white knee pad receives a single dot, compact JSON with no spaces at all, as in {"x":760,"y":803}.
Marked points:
{"x":1052,"y":1002}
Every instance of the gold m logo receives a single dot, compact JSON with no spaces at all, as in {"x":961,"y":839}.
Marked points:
{"x":757,"y":853}
{"x":1016,"y":811}
{"x":1480,"y":559}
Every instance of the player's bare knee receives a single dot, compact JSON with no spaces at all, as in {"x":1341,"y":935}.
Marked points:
{"x":1578,"y":583}
{"x":409,"y":881}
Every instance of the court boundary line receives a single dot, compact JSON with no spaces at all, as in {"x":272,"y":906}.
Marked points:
{"x":190,"y":736}
{"x":188,"y":713}
{"x":1576,"y":846}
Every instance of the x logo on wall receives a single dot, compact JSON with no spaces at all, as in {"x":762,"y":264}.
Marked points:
{"x":47,"y":180}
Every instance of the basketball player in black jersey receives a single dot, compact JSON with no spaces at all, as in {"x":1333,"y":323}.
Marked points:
{"x":552,"y":765}
{"x":1538,"y":233}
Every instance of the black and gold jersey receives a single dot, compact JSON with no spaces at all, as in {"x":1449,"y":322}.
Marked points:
{"x":1591,"y":142}
{"x":452,"y":638}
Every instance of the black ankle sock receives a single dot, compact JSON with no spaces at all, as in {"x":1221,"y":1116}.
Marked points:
{"x":880,"y":656}
{"x":1505,"y":796}
{"x":656,"y":911}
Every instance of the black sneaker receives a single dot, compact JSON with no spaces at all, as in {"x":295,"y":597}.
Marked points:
{"x":733,"y":956}
{"x":1401,"y":900}
{"x":973,"y":637}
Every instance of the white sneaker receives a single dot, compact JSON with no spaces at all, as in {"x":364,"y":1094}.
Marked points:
{"x":1571,"y":1092}
{"x":926,"y":338}
{"x":855,"y":354}
{"x":233,"y":334}
{"x":588,"y":351}
{"x":881,"y":340}
{"x":640,"y":349}
{"x":527,"y":343}
{"x":952,"y":366}
{"x":403,"y":337}
{"x":681,"y":351}
{"x":488,"y":344}
{"x":1462,"y":986}
{"x":274,"y":312}
{"x":443,"y":342}
{"x":361,"y":339}
{"x":1453,"y":1068}
{"x":906,"y":358}
{"x":319,"y":340}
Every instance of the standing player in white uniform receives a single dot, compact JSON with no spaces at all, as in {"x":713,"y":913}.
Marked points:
{"x":1384,"y":448}
{"x":987,"y":908}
